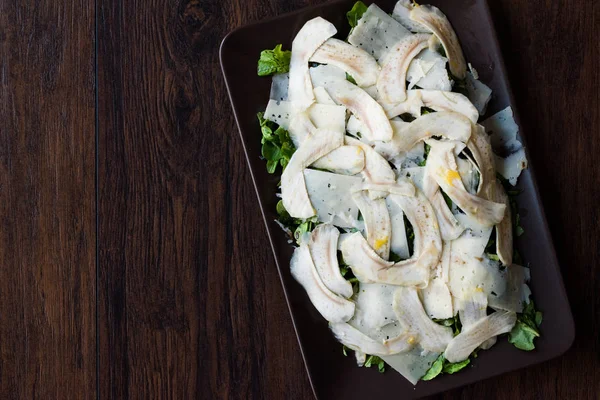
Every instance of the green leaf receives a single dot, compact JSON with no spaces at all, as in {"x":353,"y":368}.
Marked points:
{"x":538,"y":318}
{"x":519,"y":230}
{"x":435,"y":369}
{"x":274,"y":61}
{"x":493,"y":257}
{"x":374,"y":360}
{"x":270,"y":151}
{"x":522,"y":335}
{"x":271,"y":166}
{"x":426,"y":110}
{"x":526,"y":329}
{"x":406,"y":117}
{"x":350,"y":79}
{"x":356,"y":13}
{"x":447,"y":199}
{"x":444,"y":322}
{"x":451,"y":368}
{"x":394,"y":257}
{"x":344,"y":350}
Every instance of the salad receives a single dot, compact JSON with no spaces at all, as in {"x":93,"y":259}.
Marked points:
{"x":398,"y":196}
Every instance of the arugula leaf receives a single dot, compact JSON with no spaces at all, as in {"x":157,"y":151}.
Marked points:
{"x":435,"y":369}
{"x":277,"y":146}
{"x":356,"y":13}
{"x":424,"y":162}
{"x":451,"y":368}
{"x":394,"y":257}
{"x":443,"y":366}
{"x":350,"y":79}
{"x":345,"y":350}
{"x":526,"y":329}
{"x":374,"y":360}
{"x":296,"y":226}
{"x":447,"y":199}
{"x":493,"y":257}
{"x":274,"y":61}
{"x":426,"y":110}
{"x":406,"y":117}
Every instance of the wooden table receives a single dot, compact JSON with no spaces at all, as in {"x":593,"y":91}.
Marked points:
{"x":134,"y":257}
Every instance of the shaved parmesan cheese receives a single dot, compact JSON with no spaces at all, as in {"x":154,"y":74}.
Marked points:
{"x":413,"y":364}
{"x":331,"y":196}
{"x":323,"y":75}
{"x":374,"y":309}
{"x":376,"y":32}
{"x":307,"y":41}
{"x":479,"y":93}
{"x":436,"y":77}
{"x":511,"y":166}
{"x":516,"y":293}
{"x":354,"y":61}
{"x":437,"y":300}
{"x":279,"y":87}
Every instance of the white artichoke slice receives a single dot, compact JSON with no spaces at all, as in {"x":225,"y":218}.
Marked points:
{"x":331,"y":306}
{"x":323,"y":249}
{"x":345,"y":160}
{"x":401,"y":14}
{"x":391,"y":83}
{"x":469,"y":339}
{"x":473,"y":309}
{"x":410,"y":313}
{"x":449,"y":101}
{"x":353,"y":60}
{"x":432,"y":18}
{"x":377,"y":169}
{"x":377,"y":222}
{"x":293,"y":188}
{"x":481,"y":149}
{"x":364,"y":107}
{"x":450,"y":228}
{"x":376,"y":32}
{"x":362,"y":259}
{"x":322,"y":97}
{"x":412,"y":105}
{"x":312,"y":35}
{"x":504,"y":232}
{"x":403,"y":188}
{"x":448,"y":125}
{"x":444,"y":170}
{"x":358,"y":341}
{"x":331,"y":195}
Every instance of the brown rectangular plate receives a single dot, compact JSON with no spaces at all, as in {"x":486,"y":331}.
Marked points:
{"x":331,"y":374}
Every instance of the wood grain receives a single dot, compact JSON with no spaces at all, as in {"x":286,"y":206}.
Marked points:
{"x":190,"y":303}
{"x":47,"y":201}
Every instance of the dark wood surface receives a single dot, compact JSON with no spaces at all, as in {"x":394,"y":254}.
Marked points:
{"x":160,"y":284}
